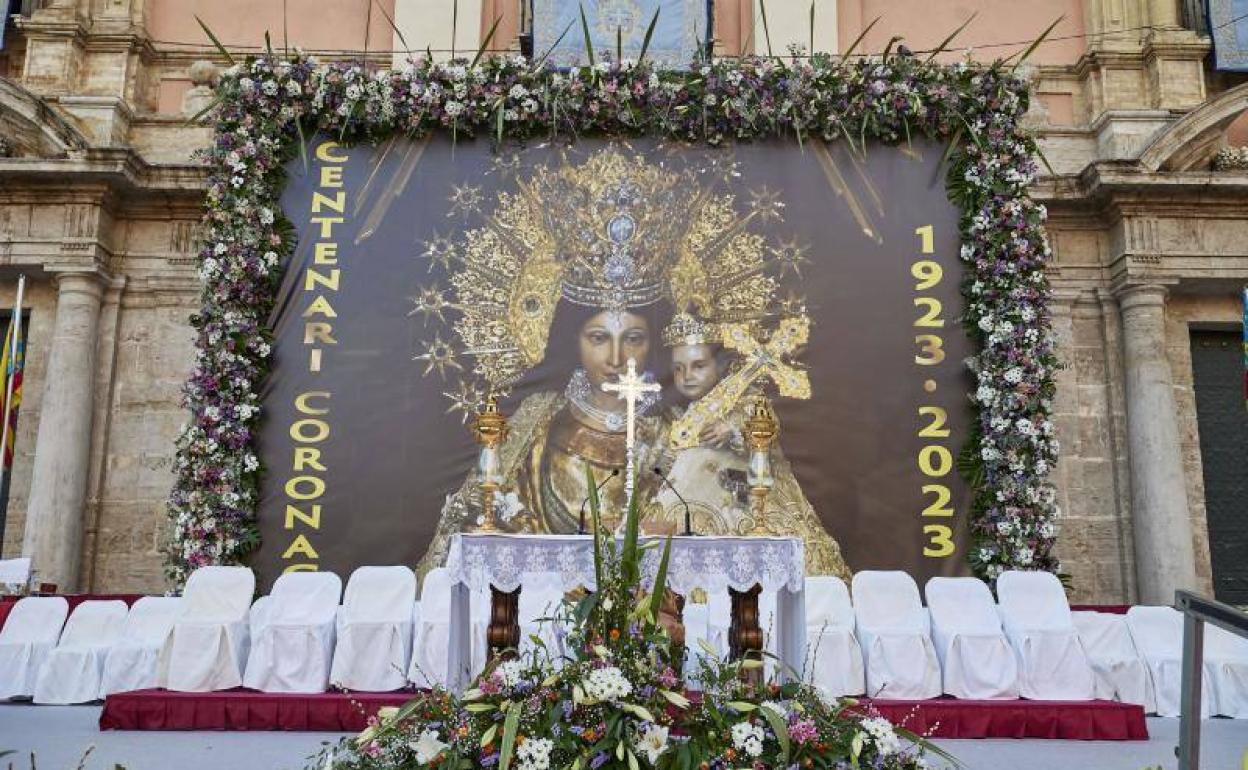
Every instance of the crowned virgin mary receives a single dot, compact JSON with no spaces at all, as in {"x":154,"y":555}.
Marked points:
{"x":576,"y":272}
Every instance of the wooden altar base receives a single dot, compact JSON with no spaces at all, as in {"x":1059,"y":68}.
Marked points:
{"x":248,"y":710}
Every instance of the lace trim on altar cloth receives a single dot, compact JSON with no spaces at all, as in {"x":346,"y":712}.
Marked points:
{"x":710,"y":563}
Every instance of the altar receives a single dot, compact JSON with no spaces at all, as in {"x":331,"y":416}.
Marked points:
{"x":742,"y":566}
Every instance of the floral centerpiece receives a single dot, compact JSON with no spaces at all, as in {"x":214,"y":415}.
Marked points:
{"x":613,"y":695}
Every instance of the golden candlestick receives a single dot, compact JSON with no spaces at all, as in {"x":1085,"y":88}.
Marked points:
{"x":490,"y":429}
{"x":761,"y":430}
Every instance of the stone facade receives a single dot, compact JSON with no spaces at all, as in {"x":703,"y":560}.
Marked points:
{"x":100,"y":200}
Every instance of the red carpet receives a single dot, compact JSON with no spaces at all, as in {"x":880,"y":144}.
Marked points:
{"x":1097,"y":720}
{"x":348,"y":712}
{"x":244,"y":710}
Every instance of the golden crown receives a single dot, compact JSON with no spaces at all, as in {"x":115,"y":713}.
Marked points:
{"x":686,"y":329}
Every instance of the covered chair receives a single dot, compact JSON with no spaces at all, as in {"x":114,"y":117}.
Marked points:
{"x":976,"y":660}
{"x":29,"y":634}
{"x":893,"y":629}
{"x":208,"y":647}
{"x":1226,"y":666}
{"x":696,"y":617}
{"x":131,"y":662}
{"x":832,"y":652}
{"x":1120,"y":671}
{"x":292,"y":645}
{"x":71,"y":672}
{"x":540,"y":601}
{"x":15,"y":573}
{"x":375,"y":637}
{"x":1158,"y":635}
{"x":431,"y":644}
{"x":1036,"y":616}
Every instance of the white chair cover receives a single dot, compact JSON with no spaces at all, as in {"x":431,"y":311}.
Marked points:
{"x":131,"y":663}
{"x":719,"y":619}
{"x":293,"y":634}
{"x":31,"y":631}
{"x":975,"y":657}
{"x":1158,"y":636}
{"x":832,"y":652}
{"x":15,"y":573}
{"x":893,"y":628}
{"x":71,"y":672}
{"x":1226,"y":666}
{"x":1036,"y":616}
{"x":540,"y":601}
{"x":696,"y":618}
{"x":431,"y":648}
{"x":208,"y":647}
{"x":375,"y":638}
{"x":1120,"y":671}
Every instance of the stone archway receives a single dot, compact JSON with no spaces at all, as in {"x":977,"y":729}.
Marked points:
{"x":31,"y":128}
{"x":1192,"y":141}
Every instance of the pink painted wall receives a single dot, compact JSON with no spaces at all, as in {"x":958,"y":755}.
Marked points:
{"x":310,"y":24}
{"x":925,"y":23}
{"x":1237,"y":133}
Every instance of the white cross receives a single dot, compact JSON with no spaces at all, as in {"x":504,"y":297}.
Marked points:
{"x":631,"y":388}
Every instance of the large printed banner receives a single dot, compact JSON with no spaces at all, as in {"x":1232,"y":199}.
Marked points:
{"x":431,"y":273}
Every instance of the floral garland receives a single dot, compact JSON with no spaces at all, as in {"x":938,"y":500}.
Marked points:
{"x":267,"y":105}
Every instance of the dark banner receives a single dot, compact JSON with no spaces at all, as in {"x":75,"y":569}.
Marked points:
{"x":821,"y":281}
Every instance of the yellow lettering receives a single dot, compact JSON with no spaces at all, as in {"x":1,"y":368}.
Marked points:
{"x":326,"y":253}
{"x":300,"y":568}
{"x":302,"y":406}
{"x":320,"y":428}
{"x":311,"y":278}
{"x":293,"y":514}
{"x":314,"y":331}
{"x":293,"y":488}
{"x":320,"y":306}
{"x":308,"y":457}
{"x":327,"y":225}
{"x":337,"y":203}
{"x":301,"y":546}
{"x":324,"y":149}
{"x":331,"y":176}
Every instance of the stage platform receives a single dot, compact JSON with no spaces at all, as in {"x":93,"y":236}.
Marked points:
{"x":247,"y":710}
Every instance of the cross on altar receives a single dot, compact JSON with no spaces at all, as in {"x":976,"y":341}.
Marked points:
{"x":631,"y":387}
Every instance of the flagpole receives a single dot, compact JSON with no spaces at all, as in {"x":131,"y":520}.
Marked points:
{"x":16,"y":323}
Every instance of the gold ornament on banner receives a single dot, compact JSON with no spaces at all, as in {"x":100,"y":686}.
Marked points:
{"x":490,"y":429}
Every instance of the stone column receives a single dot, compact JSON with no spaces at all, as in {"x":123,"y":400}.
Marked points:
{"x":58,"y":485}
{"x":1164,"y":555}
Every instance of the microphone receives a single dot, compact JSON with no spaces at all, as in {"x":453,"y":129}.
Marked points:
{"x":688,"y":521}
{"x":580,"y":528}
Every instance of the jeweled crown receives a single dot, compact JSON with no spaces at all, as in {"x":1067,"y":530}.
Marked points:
{"x":686,"y":329}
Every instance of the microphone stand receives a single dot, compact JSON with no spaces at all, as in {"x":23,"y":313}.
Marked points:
{"x":688,"y":519}
{"x":580,"y":527}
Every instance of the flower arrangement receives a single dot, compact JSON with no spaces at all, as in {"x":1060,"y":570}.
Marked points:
{"x":267,"y":105}
{"x":613,"y":697}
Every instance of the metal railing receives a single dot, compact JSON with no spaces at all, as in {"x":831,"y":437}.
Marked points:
{"x":1197,"y":611}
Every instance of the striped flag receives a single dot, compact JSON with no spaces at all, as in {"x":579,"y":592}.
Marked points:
{"x":12,"y":361}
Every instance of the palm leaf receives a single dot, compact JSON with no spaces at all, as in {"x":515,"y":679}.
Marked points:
{"x":589,"y":44}
{"x":454,"y":31}
{"x":1035,"y":43}
{"x":762,"y":6}
{"x":594,"y":519}
{"x":888,"y":47}
{"x":397,"y":32}
{"x":645,"y":42}
{"x":485,"y":43}
{"x":849,"y":51}
{"x":220,"y":48}
{"x":780,"y":729}
{"x":619,"y":44}
{"x":812,"y":28}
{"x":938,"y":49}
{"x":629,"y":556}
{"x":541,"y":59}
{"x":511,"y":724}
{"x":660,"y":580}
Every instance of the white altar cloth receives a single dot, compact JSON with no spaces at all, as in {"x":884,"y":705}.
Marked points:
{"x":477,"y":561}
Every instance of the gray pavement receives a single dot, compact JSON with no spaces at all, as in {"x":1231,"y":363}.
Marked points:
{"x":59,"y":736}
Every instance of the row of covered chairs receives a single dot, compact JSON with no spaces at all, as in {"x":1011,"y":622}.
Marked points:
{"x":1025,"y":643}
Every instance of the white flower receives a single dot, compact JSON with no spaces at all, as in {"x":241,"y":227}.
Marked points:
{"x":607,"y":684}
{"x":881,"y":732}
{"x":775,"y":706}
{"x":453,"y":108}
{"x":518,"y":91}
{"x":748,"y":738}
{"x":653,"y":742}
{"x":509,"y":673}
{"x":534,"y":753}
{"x":427,"y":747}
